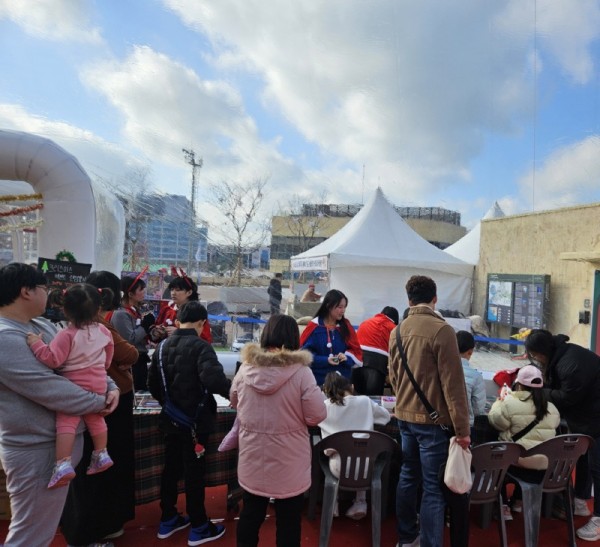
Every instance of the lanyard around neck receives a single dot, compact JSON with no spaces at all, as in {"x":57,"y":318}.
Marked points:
{"x":329,"y":339}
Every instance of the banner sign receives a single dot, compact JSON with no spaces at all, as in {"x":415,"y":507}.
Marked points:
{"x":313,"y":264}
{"x":61,"y":274}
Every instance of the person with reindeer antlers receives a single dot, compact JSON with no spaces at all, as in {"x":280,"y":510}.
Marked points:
{"x":183,"y":289}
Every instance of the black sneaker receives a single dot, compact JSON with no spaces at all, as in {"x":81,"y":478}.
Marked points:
{"x":168,"y":527}
{"x":205,"y":533}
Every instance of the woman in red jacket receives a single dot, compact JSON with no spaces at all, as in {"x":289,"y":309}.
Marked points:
{"x":374,"y":339}
{"x":183,"y":290}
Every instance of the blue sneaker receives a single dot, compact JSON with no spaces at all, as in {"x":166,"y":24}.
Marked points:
{"x":205,"y":533}
{"x":168,"y":527}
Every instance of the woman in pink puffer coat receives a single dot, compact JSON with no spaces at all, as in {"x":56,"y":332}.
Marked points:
{"x":277,"y":398}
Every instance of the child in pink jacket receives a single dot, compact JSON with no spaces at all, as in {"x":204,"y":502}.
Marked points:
{"x":82,"y":352}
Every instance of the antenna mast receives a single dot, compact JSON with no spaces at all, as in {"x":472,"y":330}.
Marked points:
{"x":190,"y":157}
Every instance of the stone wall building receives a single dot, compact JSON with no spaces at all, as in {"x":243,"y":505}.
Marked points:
{"x":564,"y":244}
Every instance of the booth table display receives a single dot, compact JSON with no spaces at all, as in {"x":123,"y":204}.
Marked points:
{"x":221,"y":467}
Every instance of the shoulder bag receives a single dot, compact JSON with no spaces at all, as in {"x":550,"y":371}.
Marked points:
{"x":202,"y":422}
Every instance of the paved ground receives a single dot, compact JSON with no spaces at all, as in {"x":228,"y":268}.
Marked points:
{"x":492,"y":361}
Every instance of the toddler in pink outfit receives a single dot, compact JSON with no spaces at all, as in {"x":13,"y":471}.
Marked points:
{"x":81,"y":352}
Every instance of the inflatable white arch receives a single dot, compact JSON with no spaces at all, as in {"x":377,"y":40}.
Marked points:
{"x":76,"y":216}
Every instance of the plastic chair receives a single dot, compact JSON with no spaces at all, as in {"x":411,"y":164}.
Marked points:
{"x":562,"y":452}
{"x":489,"y":465}
{"x":364,"y":458}
{"x":316,"y":484}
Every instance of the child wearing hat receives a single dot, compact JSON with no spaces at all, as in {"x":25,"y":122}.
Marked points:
{"x":526,"y":417}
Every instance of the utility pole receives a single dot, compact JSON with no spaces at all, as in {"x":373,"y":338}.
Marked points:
{"x":190,"y":156}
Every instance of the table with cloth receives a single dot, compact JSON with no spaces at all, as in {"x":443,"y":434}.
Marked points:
{"x":221,"y":467}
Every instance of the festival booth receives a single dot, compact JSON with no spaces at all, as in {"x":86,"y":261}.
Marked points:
{"x":373,"y":256}
{"x":73,"y":214}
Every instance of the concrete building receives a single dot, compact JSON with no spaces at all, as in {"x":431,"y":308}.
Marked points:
{"x":293,"y":234}
{"x":564,"y":244}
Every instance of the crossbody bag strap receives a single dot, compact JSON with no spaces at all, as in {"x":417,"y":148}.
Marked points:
{"x":433,"y":414}
{"x":525,"y":430}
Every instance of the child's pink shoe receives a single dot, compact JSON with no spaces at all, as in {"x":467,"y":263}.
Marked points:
{"x":62,"y":474}
{"x":100,"y":461}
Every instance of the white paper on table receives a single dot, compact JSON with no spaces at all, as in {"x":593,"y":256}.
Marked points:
{"x":221,"y":401}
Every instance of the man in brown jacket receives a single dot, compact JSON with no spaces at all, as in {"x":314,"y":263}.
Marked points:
{"x":432,"y":356}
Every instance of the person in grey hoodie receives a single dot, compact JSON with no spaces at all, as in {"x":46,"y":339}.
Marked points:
{"x":30,"y":396}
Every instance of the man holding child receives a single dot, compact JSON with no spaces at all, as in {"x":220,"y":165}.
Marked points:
{"x":30,"y":395}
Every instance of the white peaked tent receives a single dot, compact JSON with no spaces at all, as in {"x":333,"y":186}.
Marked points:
{"x":373,"y":256}
{"x":467,"y":247}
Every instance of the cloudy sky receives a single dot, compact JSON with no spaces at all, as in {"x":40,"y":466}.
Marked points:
{"x":452,"y":104}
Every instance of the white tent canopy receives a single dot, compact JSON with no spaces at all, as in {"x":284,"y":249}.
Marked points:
{"x":467,"y":247}
{"x":371,"y":258}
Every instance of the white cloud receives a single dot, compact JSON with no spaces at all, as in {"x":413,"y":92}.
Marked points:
{"x":101,"y":159}
{"x":569,"y":176}
{"x":395,"y":85}
{"x":565,"y":30}
{"x":166,"y":106}
{"x":57,"y":20}
{"x":414,"y":91}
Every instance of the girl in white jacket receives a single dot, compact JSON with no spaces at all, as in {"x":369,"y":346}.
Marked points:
{"x":346,"y":411}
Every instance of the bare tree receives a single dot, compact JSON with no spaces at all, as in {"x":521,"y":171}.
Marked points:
{"x":243,"y":231}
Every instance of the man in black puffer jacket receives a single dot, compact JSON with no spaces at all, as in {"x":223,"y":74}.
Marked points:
{"x":192,"y":373}
{"x":572,"y":380}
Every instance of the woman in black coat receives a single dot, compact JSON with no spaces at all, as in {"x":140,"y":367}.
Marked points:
{"x":572,"y":377}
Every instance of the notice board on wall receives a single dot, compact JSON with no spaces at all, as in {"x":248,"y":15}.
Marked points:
{"x":518,"y":300}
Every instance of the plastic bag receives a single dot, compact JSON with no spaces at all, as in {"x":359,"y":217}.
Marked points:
{"x":457,"y":476}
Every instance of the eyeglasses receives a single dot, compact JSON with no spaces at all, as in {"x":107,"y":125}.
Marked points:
{"x":45,"y":287}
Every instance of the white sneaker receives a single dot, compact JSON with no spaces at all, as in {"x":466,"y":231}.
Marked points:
{"x":591,"y":531}
{"x":507,"y":512}
{"x":581,"y":508}
{"x":357,"y":511}
{"x":416,"y":543}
